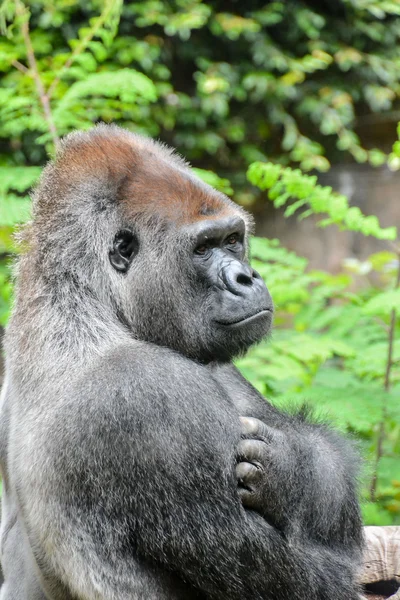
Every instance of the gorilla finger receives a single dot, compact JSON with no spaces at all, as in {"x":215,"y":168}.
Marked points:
{"x":248,"y":498}
{"x":253,"y":451}
{"x":247,"y":473}
{"x":250,"y":425}
{"x":260,"y":430}
{"x":256,"y":428}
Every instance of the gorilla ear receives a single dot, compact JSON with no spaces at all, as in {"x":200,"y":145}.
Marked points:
{"x":125,"y":247}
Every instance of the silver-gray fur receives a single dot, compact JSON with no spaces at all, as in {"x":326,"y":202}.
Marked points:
{"x":120,"y":430}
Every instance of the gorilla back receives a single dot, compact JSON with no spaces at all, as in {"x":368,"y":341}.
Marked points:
{"x":136,"y":461}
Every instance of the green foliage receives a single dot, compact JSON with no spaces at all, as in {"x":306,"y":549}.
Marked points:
{"x":219,"y":183}
{"x":329,"y":348}
{"x":292,"y":187}
{"x":79,"y":107}
{"x":336,"y":343}
{"x":233,"y":87}
{"x":279,"y":80}
{"x":14,"y":209}
{"x":5,"y":294}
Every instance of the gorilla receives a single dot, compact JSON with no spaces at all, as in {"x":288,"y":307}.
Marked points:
{"x":137,"y":463}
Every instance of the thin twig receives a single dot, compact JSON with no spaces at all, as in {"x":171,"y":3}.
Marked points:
{"x":20,"y":67}
{"x":392,"y":327}
{"x":389,"y":365}
{"x":34,"y":70}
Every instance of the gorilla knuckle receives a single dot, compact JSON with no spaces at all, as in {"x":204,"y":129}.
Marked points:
{"x":248,"y":472}
{"x":253,"y":451}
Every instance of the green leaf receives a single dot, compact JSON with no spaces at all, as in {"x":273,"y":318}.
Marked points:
{"x":14,"y":210}
{"x":219,"y":183}
{"x":19,"y":179}
{"x":383,"y":303}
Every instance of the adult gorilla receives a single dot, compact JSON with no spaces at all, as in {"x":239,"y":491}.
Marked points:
{"x":137,"y":462}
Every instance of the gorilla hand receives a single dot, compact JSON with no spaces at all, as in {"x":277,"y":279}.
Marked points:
{"x":268,"y":471}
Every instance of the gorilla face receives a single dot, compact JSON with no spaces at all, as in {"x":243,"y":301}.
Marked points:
{"x":239,"y":298}
{"x":197,"y":294}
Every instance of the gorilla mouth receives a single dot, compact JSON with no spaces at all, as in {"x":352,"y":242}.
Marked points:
{"x":248,"y":319}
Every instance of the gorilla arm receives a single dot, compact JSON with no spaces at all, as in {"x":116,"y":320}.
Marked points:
{"x":142,"y":473}
{"x":316,"y":466}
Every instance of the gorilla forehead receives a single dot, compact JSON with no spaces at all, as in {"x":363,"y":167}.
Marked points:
{"x":109,"y":165}
{"x":158,"y":187}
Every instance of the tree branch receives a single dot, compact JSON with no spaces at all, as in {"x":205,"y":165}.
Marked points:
{"x":22,"y":11}
{"x":20,"y":67}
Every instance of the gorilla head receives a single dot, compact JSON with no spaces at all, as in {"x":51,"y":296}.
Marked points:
{"x":163,"y":250}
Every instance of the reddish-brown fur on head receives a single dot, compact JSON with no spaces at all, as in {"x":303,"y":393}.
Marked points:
{"x":143,"y":176}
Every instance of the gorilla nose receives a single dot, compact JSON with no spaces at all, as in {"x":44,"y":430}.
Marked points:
{"x":239,"y":277}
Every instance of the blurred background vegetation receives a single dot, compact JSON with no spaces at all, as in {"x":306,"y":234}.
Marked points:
{"x":262,"y":97}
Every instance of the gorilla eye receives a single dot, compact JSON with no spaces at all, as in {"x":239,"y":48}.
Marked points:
{"x":125,"y":247}
{"x":202,"y":250}
{"x":232,"y":239}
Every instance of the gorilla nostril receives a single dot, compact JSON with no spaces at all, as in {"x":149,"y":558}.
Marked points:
{"x":243,"y":279}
